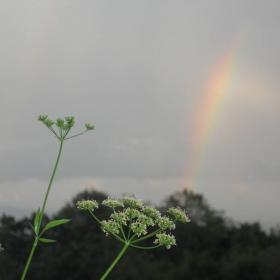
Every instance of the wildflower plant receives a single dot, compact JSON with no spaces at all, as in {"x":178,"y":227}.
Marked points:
{"x":63,"y":129}
{"x":131,"y":222}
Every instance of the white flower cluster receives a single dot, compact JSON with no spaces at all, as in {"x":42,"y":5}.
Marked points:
{"x":89,"y":205}
{"x":179,"y":214}
{"x":113,"y":202}
{"x":164,"y":239}
{"x":138,"y":218}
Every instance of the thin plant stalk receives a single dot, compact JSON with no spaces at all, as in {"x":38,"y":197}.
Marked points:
{"x":30,"y":258}
{"x":115,"y":261}
{"x":63,"y":129}
{"x":50,"y":184}
{"x":42,"y":213}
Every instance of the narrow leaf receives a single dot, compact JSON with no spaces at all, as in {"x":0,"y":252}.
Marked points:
{"x":31,"y":226}
{"x":54,"y":224}
{"x":36,"y":221}
{"x":45,"y":240}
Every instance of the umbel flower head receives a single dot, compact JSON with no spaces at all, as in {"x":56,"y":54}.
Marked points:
{"x":64,"y":126}
{"x":165,"y":239}
{"x":179,"y":214}
{"x":131,"y":221}
{"x":113,"y":202}
{"x":89,"y":205}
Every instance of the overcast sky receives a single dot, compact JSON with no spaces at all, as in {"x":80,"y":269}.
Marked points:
{"x":138,"y":71}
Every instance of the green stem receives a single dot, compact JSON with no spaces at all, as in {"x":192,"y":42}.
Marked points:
{"x":147,"y":236}
{"x":146,"y":248}
{"x":51,"y":129}
{"x":94,"y":217}
{"x":50,"y":184}
{"x":30,"y":257}
{"x":115,"y":261}
{"x":42,"y":213}
{"x":117,"y":237}
{"x":76,"y":135}
{"x":129,"y":231}
{"x":130,"y":240}
{"x":120,"y":225}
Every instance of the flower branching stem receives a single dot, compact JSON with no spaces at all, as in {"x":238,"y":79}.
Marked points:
{"x":63,"y":128}
{"x":138,"y":219}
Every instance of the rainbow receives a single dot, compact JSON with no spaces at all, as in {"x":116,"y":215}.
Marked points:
{"x":209,"y":110}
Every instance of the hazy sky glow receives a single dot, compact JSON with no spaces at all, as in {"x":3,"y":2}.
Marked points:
{"x":170,"y":110}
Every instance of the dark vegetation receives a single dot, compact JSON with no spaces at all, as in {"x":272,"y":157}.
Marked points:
{"x":210,"y":247}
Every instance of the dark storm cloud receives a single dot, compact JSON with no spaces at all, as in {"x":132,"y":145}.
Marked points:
{"x":136,"y":70}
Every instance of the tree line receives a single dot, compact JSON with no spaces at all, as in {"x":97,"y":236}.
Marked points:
{"x":210,"y":247}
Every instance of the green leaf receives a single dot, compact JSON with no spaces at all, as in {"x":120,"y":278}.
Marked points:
{"x":54,"y":224}
{"x":36,"y":221}
{"x":45,"y":240}
{"x":31,"y":226}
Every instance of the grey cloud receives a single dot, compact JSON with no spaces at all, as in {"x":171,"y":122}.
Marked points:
{"x":137,"y":70}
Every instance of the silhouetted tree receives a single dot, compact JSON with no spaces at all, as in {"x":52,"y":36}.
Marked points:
{"x":210,"y":247}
